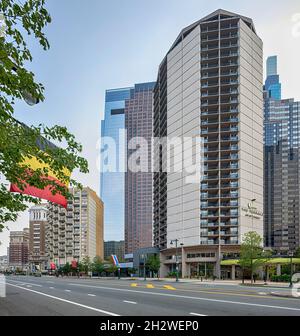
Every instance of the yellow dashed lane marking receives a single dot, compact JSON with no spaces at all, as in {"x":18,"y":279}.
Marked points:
{"x":133,"y":285}
{"x":150,"y":286}
{"x":169,"y":287}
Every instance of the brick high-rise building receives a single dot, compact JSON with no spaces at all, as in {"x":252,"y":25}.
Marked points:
{"x":19,"y":249}
{"x":37,"y":237}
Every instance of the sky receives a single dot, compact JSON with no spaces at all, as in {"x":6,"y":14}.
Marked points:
{"x":102,"y":44}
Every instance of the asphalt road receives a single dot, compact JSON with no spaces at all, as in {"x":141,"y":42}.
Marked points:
{"x":49,"y":296}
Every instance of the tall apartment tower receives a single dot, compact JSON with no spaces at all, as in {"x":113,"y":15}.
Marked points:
{"x":75,"y":232}
{"x":19,"y":249}
{"x":282,"y":173}
{"x":210,"y":85}
{"x":138,"y":185}
{"x":37,"y":236}
{"x":112,"y":183}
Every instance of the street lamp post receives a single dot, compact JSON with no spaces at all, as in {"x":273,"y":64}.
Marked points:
{"x":176,"y":257}
{"x":252,"y":205}
{"x":144,"y":255}
{"x":291,"y":254}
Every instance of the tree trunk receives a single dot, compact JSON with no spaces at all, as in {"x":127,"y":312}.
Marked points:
{"x":251,"y":272}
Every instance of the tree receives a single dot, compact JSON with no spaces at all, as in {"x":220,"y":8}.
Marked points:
{"x":98,"y":265}
{"x":86,"y":264}
{"x":252,"y":254}
{"x":112,"y":269}
{"x":297,"y":253}
{"x":153,"y":264}
{"x":24,"y":19}
{"x":67,"y":268}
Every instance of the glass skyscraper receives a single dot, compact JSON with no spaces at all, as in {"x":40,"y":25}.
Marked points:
{"x":281,"y":167}
{"x":112,"y":183}
{"x":272,"y":84}
{"x":138,"y":185}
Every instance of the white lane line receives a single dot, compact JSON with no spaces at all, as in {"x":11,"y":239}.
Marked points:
{"x":91,"y":295}
{"x":66,"y":301}
{"x":26,"y":283}
{"x":29,"y":286}
{"x":131,"y":302}
{"x":67,"y":290}
{"x":262,"y":293}
{"x":51,"y":287}
{"x":196,"y":314}
{"x":189,"y":297}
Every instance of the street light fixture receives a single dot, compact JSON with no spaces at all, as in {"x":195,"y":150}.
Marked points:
{"x":291,"y":255}
{"x":176,"y":241}
{"x":144,"y":258}
{"x":252,"y":206}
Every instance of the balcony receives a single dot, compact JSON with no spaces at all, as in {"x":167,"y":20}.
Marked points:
{"x":209,"y":57}
{"x":210,"y":47}
{"x":209,"y":66}
{"x":210,"y":130}
{"x":211,"y":139}
{"x":210,"y":75}
{"x":229,"y":36}
{"x":211,"y":149}
{"x":211,"y":158}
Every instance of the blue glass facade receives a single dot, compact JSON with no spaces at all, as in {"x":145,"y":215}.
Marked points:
{"x":281,"y":167}
{"x":272,"y":84}
{"x":271,"y":66}
{"x":112,"y":184}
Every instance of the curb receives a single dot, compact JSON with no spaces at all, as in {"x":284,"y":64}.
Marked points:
{"x":289,"y":296}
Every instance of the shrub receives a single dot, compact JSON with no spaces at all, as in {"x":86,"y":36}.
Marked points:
{"x":281,"y":278}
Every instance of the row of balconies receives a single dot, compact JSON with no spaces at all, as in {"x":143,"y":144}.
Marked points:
{"x":213,"y":93}
{"x":227,"y":204}
{"x":214,"y":185}
{"x":207,"y":196}
{"x":207,"y":112}
{"x":231,"y":166}
{"x":223,"y":45}
{"x":209,"y":130}
{"x":217,"y":213}
{"x":215,"y":26}
{"x":217,"y":36}
{"x":231,"y":157}
{"x":205,"y":223}
{"x":215,"y":55}
{"x":222,"y":233}
{"x":207,"y":75}
{"x":217,"y":242}
{"x":222,"y":176}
